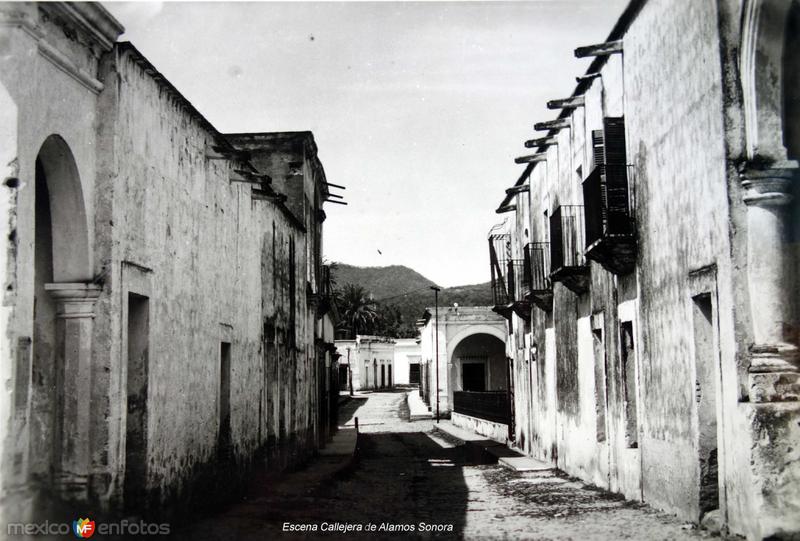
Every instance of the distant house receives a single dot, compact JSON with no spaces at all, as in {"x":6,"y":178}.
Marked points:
{"x":472,"y":365}
{"x":366,"y":362}
{"x":407,"y":355}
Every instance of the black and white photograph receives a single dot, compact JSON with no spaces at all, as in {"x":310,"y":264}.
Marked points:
{"x":400,"y":269}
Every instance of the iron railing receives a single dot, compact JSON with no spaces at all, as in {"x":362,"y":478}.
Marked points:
{"x":489,"y":405}
{"x":499,"y":256}
{"x":606,"y":196}
{"x":537,"y":267}
{"x":567,"y":237}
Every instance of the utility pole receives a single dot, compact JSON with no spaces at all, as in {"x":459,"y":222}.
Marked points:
{"x":349,"y":373}
{"x":436,"y":331}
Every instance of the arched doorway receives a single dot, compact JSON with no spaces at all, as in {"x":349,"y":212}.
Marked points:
{"x":63,"y":310}
{"x":479,"y":364}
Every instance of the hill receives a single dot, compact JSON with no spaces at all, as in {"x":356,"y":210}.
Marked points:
{"x":408,"y":291}
{"x":382,"y":282}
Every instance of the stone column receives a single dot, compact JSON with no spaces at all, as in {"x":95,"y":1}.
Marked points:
{"x":75,"y":314}
{"x":773,"y":373}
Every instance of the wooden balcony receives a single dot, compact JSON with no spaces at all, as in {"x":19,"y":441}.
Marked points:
{"x":568,"y":264}
{"x":610,"y":227}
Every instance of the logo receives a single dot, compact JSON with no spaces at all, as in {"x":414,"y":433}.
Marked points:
{"x":83,"y":528}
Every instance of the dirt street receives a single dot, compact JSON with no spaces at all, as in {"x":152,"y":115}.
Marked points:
{"x":411,"y":481}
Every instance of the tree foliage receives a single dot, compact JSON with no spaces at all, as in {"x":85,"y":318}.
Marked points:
{"x":362,"y":315}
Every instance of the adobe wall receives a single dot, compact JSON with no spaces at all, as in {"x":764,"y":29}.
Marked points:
{"x":217,"y":266}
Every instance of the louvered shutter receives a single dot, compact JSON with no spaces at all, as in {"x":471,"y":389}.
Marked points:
{"x":598,"y":152}
{"x":614,"y":141}
{"x":616,"y":173}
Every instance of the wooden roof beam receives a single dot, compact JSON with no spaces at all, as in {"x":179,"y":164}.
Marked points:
{"x":587,"y":77}
{"x":551,"y":125}
{"x":514,"y":190}
{"x":540,"y":157}
{"x":599,"y":49}
{"x":541,"y":141}
{"x":567,"y":103}
{"x":507,"y":208}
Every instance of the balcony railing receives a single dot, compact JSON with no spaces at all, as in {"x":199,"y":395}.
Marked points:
{"x":537,"y":274}
{"x":568,"y":264}
{"x":520,"y":285}
{"x":510,"y":290}
{"x":499,"y":255}
{"x":610,"y":228}
{"x":489,"y":405}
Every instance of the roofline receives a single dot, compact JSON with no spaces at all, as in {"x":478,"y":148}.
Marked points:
{"x":220,"y":138}
{"x":307,"y":137}
{"x":619,"y":29}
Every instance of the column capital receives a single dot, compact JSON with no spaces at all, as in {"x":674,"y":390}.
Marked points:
{"x":768,"y":186}
{"x":74,"y":299}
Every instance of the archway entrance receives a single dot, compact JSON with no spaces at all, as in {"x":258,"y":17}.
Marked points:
{"x":479,"y":364}
{"x":62,"y":315}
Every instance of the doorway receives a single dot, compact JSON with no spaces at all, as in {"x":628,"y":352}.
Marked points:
{"x":473,"y":377}
{"x":413,"y":373}
{"x":136,"y":420}
{"x":706,"y":402}
{"x":60,"y":255}
{"x":224,"y":434}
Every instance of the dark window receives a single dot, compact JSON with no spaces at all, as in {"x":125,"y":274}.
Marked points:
{"x":629,"y":386}
{"x":224,"y":435}
{"x":473,"y":377}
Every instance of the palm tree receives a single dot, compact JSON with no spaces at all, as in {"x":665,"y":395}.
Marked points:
{"x":358,"y":313}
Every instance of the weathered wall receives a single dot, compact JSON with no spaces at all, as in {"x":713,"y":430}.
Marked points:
{"x":217,"y":266}
{"x":49,"y":85}
{"x":661,"y":426}
{"x":490,"y":429}
{"x":675,"y":179}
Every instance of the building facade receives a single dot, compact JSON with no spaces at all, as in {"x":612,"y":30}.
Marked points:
{"x":165,"y":303}
{"x":370,"y":362}
{"x":647,"y":268}
{"x":471,"y":354}
{"x":407,"y":355}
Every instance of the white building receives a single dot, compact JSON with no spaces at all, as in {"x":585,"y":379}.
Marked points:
{"x":407,"y":355}
{"x":471,"y":353}
{"x":369,"y":361}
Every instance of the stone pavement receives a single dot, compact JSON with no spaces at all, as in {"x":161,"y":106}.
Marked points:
{"x":492,"y":451}
{"x":411,"y":481}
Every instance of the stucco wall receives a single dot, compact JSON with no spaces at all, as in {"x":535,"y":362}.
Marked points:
{"x":681,"y":208}
{"x":217,"y":266}
{"x":49,"y":88}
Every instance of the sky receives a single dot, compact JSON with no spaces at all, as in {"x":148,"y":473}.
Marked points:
{"x":417,"y":108}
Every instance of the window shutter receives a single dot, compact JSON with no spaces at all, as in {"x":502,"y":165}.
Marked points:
{"x":597,"y":148}
{"x":614,"y":141}
{"x":616,"y":181}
